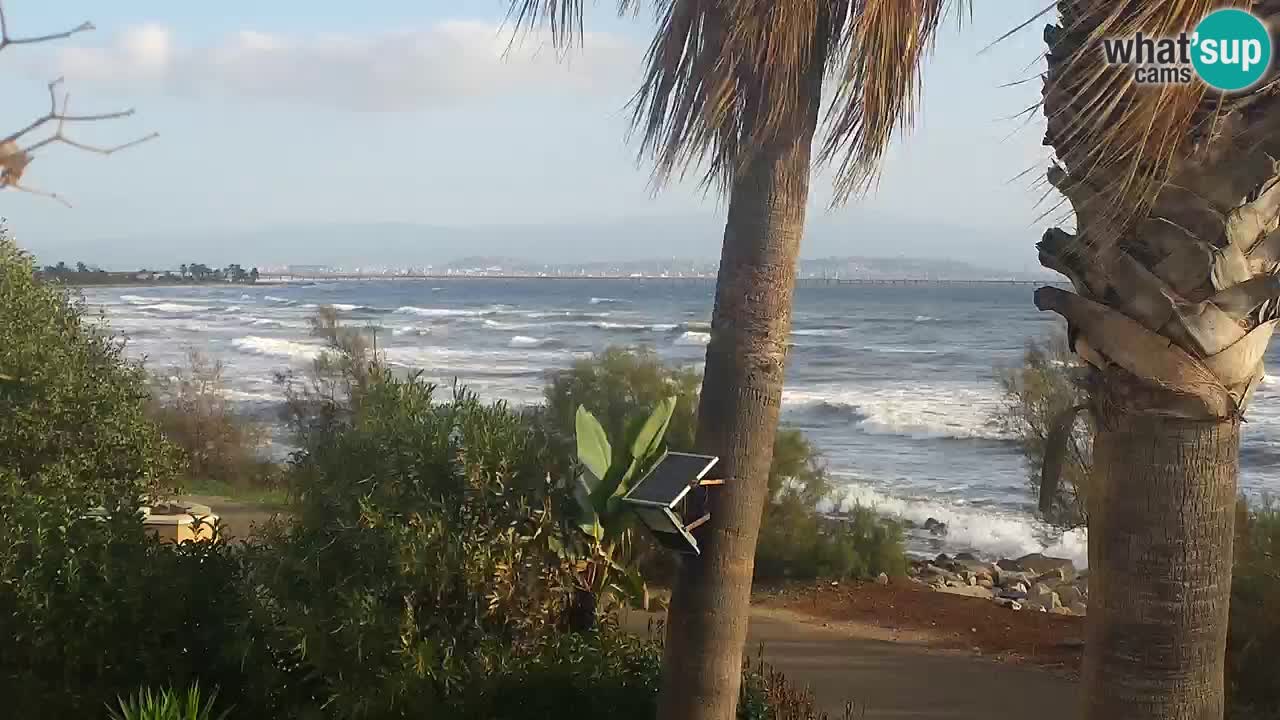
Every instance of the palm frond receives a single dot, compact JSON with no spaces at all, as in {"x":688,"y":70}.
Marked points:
{"x":878,"y":89}
{"x":1117,"y":139}
{"x":563,"y":18}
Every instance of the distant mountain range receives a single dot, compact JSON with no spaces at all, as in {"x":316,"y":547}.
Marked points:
{"x":852,"y":244}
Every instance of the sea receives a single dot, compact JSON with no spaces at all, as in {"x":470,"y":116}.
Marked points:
{"x":894,"y":384}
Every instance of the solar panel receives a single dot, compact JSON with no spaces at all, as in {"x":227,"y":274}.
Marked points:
{"x":671,"y":477}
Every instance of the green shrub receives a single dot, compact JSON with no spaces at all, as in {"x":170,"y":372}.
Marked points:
{"x":1048,"y":383}
{"x":798,"y":544}
{"x":168,"y":705}
{"x":1252,"y":680}
{"x":73,"y":426}
{"x":90,"y":607}
{"x":421,"y":551}
{"x":621,"y":385}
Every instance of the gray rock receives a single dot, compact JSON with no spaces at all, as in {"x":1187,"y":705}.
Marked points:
{"x":1079,"y":608}
{"x":930,"y":572}
{"x":1053,"y":578}
{"x":1007,"y":564}
{"x":969,"y":591}
{"x":1043,"y":597}
{"x":985,"y":582}
{"x":1011,"y":577}
{"x":882,"y":579}
{"x":1070,"y":595}
{"x":1013,"y":595}
{"x":965,"y":557}
{"x":1040,"y":564}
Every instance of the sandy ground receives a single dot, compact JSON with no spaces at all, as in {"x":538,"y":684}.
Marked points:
{"x":896,"y":652}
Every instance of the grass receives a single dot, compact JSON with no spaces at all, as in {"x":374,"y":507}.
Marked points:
{"x":267,"y":497}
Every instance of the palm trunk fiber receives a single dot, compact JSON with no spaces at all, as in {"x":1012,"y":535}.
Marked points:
{"x":737,"y":421}
{"x":1161,"y":522}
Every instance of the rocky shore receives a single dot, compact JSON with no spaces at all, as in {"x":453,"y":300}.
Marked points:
{"x":1034,"y":582}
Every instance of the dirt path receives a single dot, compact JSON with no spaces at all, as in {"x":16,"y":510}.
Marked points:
{"x":898,"y":674}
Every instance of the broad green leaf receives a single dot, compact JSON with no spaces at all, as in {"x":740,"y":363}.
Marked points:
{"x":594,"y":450}
{"x":588,"y":519}
{"x":649,"y":439}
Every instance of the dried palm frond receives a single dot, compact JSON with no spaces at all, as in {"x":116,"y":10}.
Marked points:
{"x":1117,"y":139}
{"x":726,"y":77}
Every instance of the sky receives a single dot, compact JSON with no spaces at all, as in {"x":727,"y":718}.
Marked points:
{"x":281,"y":121}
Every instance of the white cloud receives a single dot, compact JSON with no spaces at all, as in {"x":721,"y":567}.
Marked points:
{"x":445,"y":64}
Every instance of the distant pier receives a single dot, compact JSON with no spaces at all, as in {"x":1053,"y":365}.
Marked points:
{"x":801,"y":282}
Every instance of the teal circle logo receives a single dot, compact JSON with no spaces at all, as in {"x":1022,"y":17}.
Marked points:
{"x":1231,"y":50}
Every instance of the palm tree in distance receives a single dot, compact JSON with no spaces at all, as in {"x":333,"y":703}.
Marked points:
{"x":1176,"y":193}
{"x":734,"y":88}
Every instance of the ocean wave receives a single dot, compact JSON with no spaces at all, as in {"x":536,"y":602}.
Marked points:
{"x":925,"y":318}
{"x":411,"y":330}
{"x":897,"y":350}
{"x":693,"y":338}
{"x":445,"y":363}
{"x":246,"y":396}
{"x":607,"y":301}
{"x":274,"y":299}
{"x":525,"y":341}
{"x":497,"y":325}
{"x":273,"y":322}
{"x":340,"y":307}
{"x":444,"y":312}
{"x":232,"y":308}
{"x":822,"y":332}
{"x":171,"y":307}
{"x":567,"y":315}
{"x":276,"y":347}
{"x":987,"y":532}
{"x":638,"y":327}
{"x":913,"y":411}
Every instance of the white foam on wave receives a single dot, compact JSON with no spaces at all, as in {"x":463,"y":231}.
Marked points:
{"x":917,"y":411}
{"x":822,"y":332}
{"x":925,"y":318}
{"x":273,"y":322}
{"x":693,"y":338}
{"x":411,"y":330}
{"x":445,"y":362}
{"x":340,"y":307}
{"x":171,"y":307}
{"x":650,"y":327}
{"x":443,"y":312}
{"x":606,"y":301}
{"x":566,"y":314}
{"x":496,"y":325}
{"x":276,"y":347}
{"x":987,"y":532}
{"x":526,"y":341}
{"x":274,"y":299}
{"x":900,"y":350}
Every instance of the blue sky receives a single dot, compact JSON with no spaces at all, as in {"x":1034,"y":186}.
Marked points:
{"x":294,"y":114}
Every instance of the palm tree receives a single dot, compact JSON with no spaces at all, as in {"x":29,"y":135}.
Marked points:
{"x":734,"y":88}
{"x":1176,"y":195}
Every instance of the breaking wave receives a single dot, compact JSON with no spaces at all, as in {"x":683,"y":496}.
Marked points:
{"x":908,"y":410}
{"x":693,"y":338}
{"x":276,"y":347}
{"x":988,"y":532}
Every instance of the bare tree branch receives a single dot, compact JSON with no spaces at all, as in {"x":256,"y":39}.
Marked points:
{"x":13,"y":159}
{"x":41,"y":193}
{"x":6,"y":41}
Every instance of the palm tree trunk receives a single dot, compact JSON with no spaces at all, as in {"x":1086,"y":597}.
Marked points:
{"x":738,"y":419}
{"x":1161,"y":523}
{"x":1176,"y":299}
